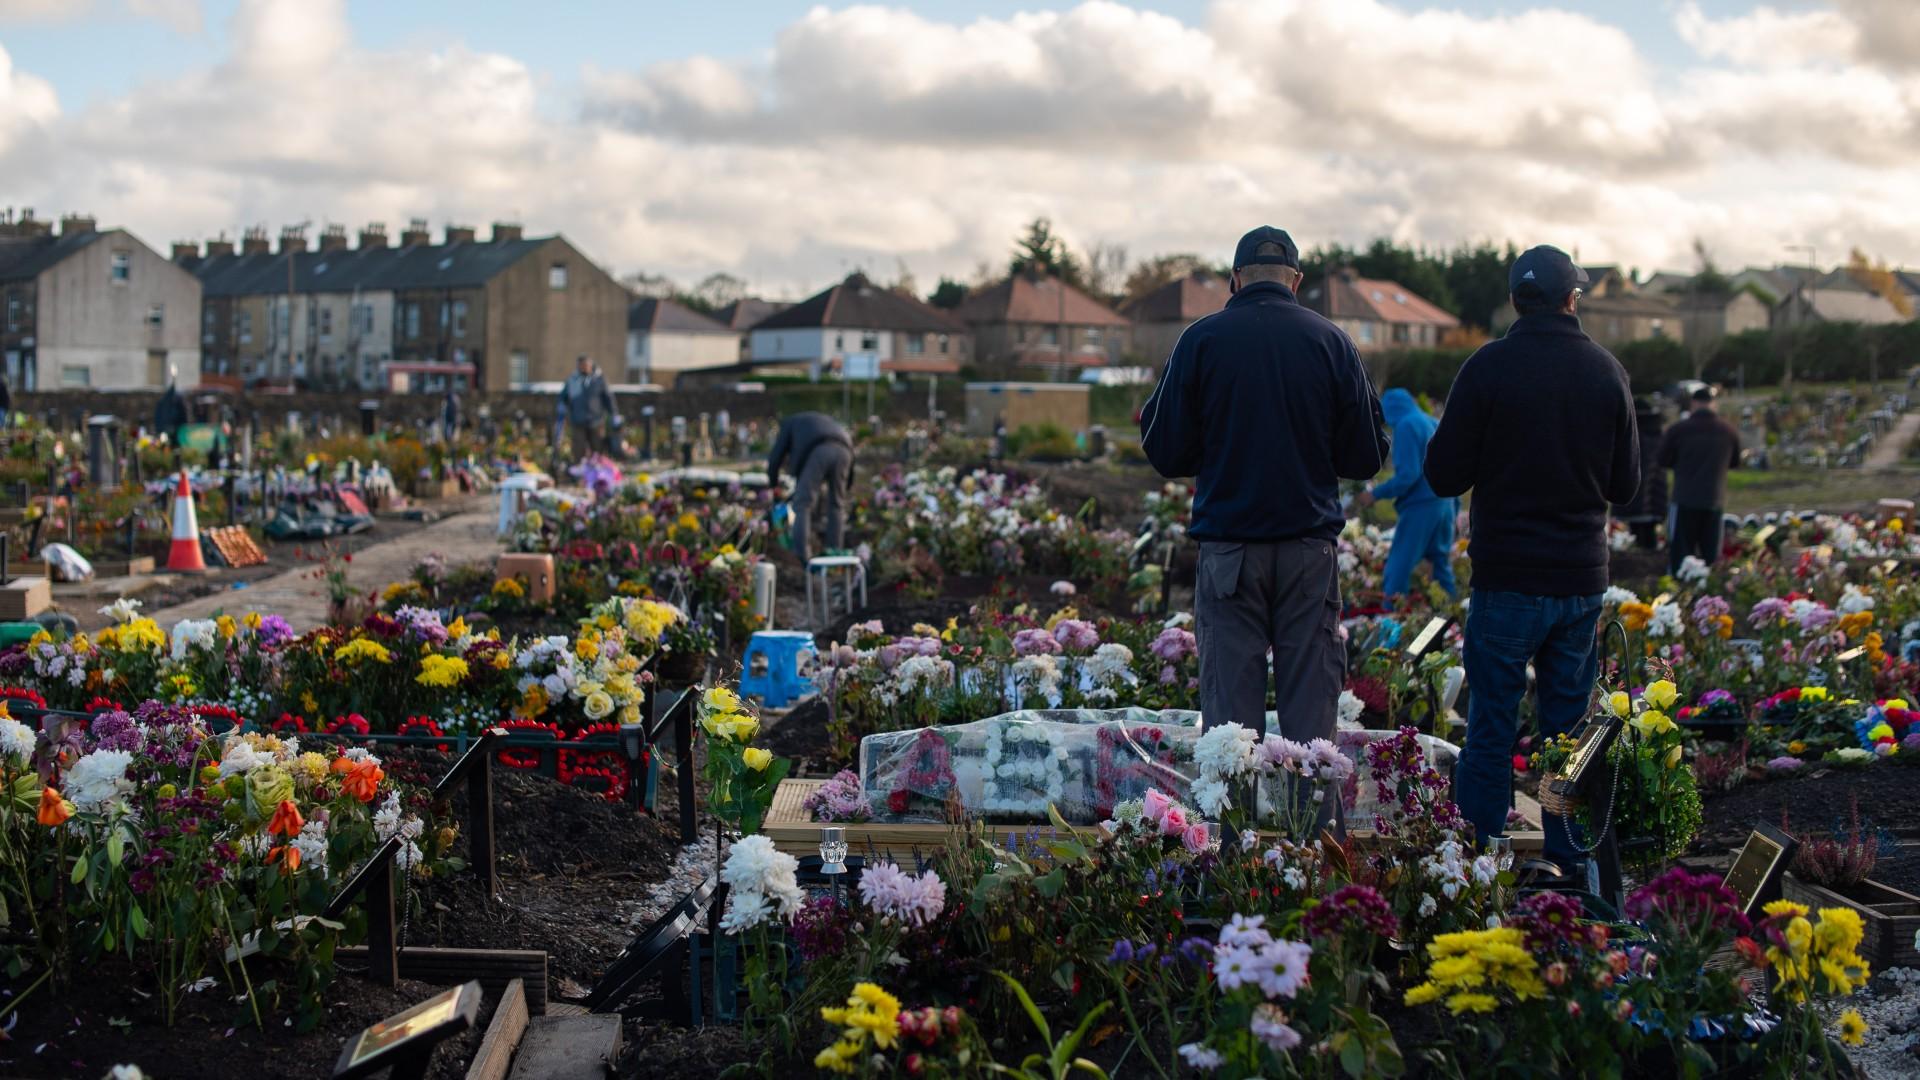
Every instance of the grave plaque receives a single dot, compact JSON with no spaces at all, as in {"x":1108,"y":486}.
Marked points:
{"x":1428,"y":637}
{"x":406,"y":1039}
{"x":1756,"y":871}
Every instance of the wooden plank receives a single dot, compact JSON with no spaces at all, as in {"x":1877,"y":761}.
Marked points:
{"x":788,"y":802}
{"x":495,"y":968}
{"x":503,"y":1035}
{"x":568,"y":1048}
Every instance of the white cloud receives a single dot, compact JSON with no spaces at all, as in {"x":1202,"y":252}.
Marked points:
{"x":864,"y":134}
{"x":183,"y":16}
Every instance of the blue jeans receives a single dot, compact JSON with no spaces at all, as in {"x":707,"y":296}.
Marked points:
{"x":1506,"y":631}
{"x":1424,"y":531}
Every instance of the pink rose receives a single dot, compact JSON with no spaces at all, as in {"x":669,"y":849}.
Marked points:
{"x":1173,"y":822}
{"x":1197,"y":837}
{"x":1155,"y":805}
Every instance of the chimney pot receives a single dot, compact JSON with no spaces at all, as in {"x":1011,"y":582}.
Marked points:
{"x":373,"y":236}
{"x":333,"y":238}
{"x":221,"y":246}
{"x":416,"y":233}
{"x":460,"y":234}
{"x":255,"y":241}
{"x":507,"y":230}
{"x":185,"y":249}
{"x":76,"y":223}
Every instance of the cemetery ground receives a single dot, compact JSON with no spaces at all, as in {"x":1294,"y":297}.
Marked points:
{"x":580,"y":875}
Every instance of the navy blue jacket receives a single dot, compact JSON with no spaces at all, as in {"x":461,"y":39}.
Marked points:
{"x":1540,"y":425}
{"x":1267,"y":404}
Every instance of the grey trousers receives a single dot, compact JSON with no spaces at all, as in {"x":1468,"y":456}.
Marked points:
{"x":825,"y":471}
{"x":1283,"y":596}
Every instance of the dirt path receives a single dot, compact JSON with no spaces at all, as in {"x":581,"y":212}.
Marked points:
{"x":297,"y":598}
{"x":1889,"y":450}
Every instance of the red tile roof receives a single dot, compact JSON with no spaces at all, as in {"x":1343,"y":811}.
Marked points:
{"x":1340,"y":296}
{"x":1021,"y":298}
{"x":1189,"y":297}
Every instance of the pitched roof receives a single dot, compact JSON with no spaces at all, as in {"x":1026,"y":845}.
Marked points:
{"x":1186,"y":298}
{"x":22,"y":258}
{"x":742,"y":314}
{"x":1347,"y":296}
{"x":423,"y":266}
{"x":1843,"y":305}
{"x":655,"y":314}
{"x":1628,"y":304}
{"x":1023,"y":298}
{"x":859,"y":304}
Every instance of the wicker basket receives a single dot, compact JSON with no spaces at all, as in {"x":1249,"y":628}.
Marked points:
{"x":1552,"y":802}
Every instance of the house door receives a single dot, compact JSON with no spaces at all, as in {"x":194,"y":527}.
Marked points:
{"x":157,"y":367}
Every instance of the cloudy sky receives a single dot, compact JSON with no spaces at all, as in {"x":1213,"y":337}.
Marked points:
{"x":788,"y":143}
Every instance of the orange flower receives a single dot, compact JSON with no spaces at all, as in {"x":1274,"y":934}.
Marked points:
{"x":286,"y":820}
{"x":1855,"y":624}
{"x":1636,"y":615}
{"x":1750,"y":951}
{"x":53,"y":809}
{"x":287,"y":855}
{"x":342,"y":763}
{"x":363,"y":781}
{"x":1723,"y":626}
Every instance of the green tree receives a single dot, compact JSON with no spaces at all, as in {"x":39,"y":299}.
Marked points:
{"x":948,"y":294}
{"x":1152,"y":273}
{"x":1040,"y":251}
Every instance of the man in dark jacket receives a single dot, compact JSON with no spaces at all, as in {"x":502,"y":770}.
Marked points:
{"x":586,"y":404}
{"x":170,"y":413}
{"x":819,"y":453}
{"x":1267,"y":404}
{"x":1539,"y":424}
{"x":1648,"y":508}
{"x":1699,"y":450}
{"x":1424,"y":525}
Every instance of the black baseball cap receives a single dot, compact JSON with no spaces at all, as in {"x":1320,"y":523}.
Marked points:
{"x":1244,"y":253}
{"x":1545,"y":270}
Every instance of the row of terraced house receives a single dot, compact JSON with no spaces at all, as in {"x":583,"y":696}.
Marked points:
{"x":92,"y":307}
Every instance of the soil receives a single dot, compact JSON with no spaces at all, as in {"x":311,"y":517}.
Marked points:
{"x":801,"y":734}
{"x":1637,"y":568}
{"x":573,"y":867}
{"x":103,"y":1022}
{"x":1889,"y":799}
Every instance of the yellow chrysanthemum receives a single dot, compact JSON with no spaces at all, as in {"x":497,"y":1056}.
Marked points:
{"x":1853,"y":1027}
{"x":363,"y":649}
{"x":1472,"y":1002}
{"x":441,"y":671}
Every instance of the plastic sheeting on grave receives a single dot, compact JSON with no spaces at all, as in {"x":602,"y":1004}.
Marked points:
{"x":1010,"y":768}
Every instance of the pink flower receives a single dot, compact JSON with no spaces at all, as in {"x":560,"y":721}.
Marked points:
{"x":1154,"y":805}
{"x":1173,"y":822}
{"x":1198,"y":837}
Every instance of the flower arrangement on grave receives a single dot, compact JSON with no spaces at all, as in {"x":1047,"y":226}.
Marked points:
{"x":1023,"y":765}
{"x":741,"y":777}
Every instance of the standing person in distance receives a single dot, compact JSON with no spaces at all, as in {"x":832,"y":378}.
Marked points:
{"x":819,"y":453}
{"x":1648,"y":508}
{"x":1540,"y":427}
{"x":586,"y":404}
{"x":1267,"y":404}
{"x":1699,"y":450}
{"x":1424,"y":525}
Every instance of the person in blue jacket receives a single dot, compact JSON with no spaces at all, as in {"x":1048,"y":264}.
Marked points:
{"x":1425,"y":528}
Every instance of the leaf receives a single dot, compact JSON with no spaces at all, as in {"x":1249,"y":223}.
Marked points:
{"x":138,"y":919}
{"x":79,"y":871}
{"x":1026,"y":1002}
{"x":1050,"y":883}
{"x":116,"y":847}
{"x":1353,"y":1056}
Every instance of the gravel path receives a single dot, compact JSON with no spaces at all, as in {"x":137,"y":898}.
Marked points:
{"x":1893,"y":445}
{"x":297,"y":598}
{"x":1891,"y":1005}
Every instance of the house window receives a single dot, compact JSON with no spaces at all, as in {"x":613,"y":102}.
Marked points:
{"x":1366,"y":333}
{"x":1401,"y":333}
{"x":916,"y":344}
{"x":366,"y":318}
{"x":1659,"y":328}
{"x":1050,"y":336}
{"x":943,"y":344}
{"x":326,"y":324}
{"x":119,"y":269}
{"x":839,"y":342}
{"x":13,"y":313}
{"x":207,"y":324}
{"x":869,"y":340}
{"x":446,"y":315}
{"x":156,"y":316}
{"x":557,"y":276}
{"x":1091,"y":335}
{"x":459,"y":318}
{"x":517,"y":368}
{"x":76,"y":375}
{"x":246,"y":328}
{"x":413,"y":321}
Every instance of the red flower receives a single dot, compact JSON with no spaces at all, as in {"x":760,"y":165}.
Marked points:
{"x":897,"y":801}
{"x":1519,"y":763}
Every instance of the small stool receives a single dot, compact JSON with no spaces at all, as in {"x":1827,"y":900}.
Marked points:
{"x":824,"y":566}
{"x":770,"y":668}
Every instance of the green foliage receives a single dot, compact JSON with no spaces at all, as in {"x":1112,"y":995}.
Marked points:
{"x":1655,"y":363}
{"x":1046,"y":440}
{"x":948,"y":294}
{"x":1468,"y":282}
{"x":1040,"y":251}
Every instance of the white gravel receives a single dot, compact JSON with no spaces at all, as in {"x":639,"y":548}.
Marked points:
{"x":693,"y":862}
{"x":1891,"y":1006}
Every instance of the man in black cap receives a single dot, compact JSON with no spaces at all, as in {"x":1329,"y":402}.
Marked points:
{"x":1540,"y":425}
{"x":1700,"y":449}
{"x":1267,"y":404}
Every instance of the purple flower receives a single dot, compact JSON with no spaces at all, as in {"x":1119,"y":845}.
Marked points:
{"x":1174,"y":644}
{"x":1122,"y":952}
{"x":1767,"y":612}
{"x":1351,"y":909}
{"x":1076,"y":635}
{"x":117,"y":731}
{"x":274,"y":631}
{"x":1786,"y":763}
{"x":820,"y":928}
{"x":1684,"y":899}
{"x":1548,"y":919}
{"x":1035,"y":641}
{"x":1715,"y":697}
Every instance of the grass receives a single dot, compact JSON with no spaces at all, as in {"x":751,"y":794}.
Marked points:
{"x":1753,"y":491}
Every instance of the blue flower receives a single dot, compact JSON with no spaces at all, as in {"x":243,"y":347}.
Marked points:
{"x":1122,"y":952}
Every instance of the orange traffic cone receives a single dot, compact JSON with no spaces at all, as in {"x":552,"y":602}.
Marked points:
{"x":185,"y":553}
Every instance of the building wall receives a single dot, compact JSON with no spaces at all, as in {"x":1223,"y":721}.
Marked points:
{"x":523,"y":313}
{"x":657,"y":355}
{"x":87,"y":320}
{"x":1154,"y":341}
{"x":444,"y":335}
{"x":1611,"y":329}
{"x":786,"y":345}
{"x":998,"y":343}
{"x":17,"y":320}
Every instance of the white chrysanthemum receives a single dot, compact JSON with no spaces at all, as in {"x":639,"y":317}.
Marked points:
{"x":98,"y":779}
{"x":1351,"y":707}
{"x":1226,"y":750}
{"x":17,"y":740}
{"x":1665,"y":621}
{"x":1854,"y":599}
{"x":1693,"y":570}
{"x":312,"y":846}
{"x":190,"y":633}
{"x":242,"y":757}
{"x":122,"y":610}
{"x":1615,"y":596}
{"x":1210,"y":796}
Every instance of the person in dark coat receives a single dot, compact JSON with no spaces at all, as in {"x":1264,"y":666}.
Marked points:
{"x":1699,"y":450}
{"x":6,"y":403}
{"x":170,"y":413}
{"x":1266,"y":403}
{"x":1540,"y":426}
{"x":1648,"y":508}
{"x":450,"y":415}
{"x":586,"y":405}
{"x":819,"y":452}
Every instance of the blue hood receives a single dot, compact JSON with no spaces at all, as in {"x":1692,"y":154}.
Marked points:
{"x":1396,"y":405}
{"x":1412,"y":427}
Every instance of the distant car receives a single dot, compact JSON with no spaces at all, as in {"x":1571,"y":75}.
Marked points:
{"x":1682,"y":392}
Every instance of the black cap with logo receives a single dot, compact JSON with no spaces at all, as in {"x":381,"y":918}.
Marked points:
{"x":1544,"y":273}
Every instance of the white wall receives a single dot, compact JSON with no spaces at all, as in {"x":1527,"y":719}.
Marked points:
{"x":656,"y":355}
{"x":815,"y":344}
{"x":84,"y":317}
